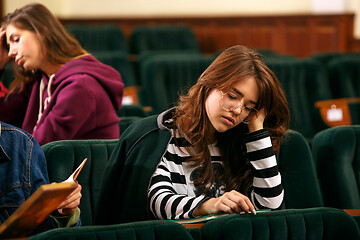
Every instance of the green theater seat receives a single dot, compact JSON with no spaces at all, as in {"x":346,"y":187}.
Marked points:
{"x":344,"y":74}
{"x":131,"y":110}
{"x":8,"y":76}
{"x":63,"y":157}
{"x":151,"y":230}
{"x":162,"y":38}
{"x":313,"y":223}
{"x":164,"y":76}
{"x":336,"y":154}
{"x":304,"y":83}
{"x":298,"y":173}
{"x":126,"y":121}
{"x":326,"y":57}
{"x":100,"y":37}
{"x":119,"y":60}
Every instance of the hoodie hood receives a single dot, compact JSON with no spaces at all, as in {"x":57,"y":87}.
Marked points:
{"x":78,"y":114}
{"x":164,"y":119}
{"x":107,"y":76}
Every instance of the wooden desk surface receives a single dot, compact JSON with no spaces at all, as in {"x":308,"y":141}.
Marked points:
{"x":194,"y":225}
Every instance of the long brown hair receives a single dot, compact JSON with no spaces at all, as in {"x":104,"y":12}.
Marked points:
{"x":232,"y":65}
{"x":57,"y":43}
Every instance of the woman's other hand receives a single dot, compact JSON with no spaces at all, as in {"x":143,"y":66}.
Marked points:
{"x":4,"y":53}
{"x":229,"y":202}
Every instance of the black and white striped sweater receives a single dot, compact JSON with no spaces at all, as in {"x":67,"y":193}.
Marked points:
{"x":172,"y":194}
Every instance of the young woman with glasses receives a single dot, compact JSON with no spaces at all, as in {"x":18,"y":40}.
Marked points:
{"x":225,"y":134}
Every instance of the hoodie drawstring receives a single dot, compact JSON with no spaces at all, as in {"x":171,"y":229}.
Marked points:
{"x":47,"y":99}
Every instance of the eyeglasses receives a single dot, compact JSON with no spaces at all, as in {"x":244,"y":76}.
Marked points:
{"x":230,"y":102}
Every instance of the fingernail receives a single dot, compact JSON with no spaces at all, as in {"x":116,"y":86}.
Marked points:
{"x":253,"y":211}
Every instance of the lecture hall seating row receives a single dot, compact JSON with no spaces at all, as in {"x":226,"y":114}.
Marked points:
{"x":308,"y":83}
{"x":309,"y":205}
{"x":300,"y":35}
{"x":310,"y":208}
{"x":168,"y":62}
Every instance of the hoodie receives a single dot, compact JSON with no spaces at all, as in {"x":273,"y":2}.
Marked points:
{"x":79,"y":101}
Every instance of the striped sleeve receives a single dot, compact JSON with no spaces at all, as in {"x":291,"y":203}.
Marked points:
{"x":268,"y":191}
{"x":167,"y":192}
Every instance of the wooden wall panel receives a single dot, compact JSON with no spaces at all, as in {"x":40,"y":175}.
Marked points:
{"x":298,"y":38}
{"x":298,"y":35}
{"x":356,"y":45}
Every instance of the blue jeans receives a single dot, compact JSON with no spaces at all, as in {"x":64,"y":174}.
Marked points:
{"x":22,"y":171}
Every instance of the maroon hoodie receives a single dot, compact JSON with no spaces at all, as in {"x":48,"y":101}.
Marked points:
{"x":79,"y":102}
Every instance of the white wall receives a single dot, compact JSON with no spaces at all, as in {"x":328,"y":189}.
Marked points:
{"x":136,"y":8}
{"x":166,"y":8}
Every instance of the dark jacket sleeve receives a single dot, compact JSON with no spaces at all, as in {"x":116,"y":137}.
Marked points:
{"x":123,"y":195}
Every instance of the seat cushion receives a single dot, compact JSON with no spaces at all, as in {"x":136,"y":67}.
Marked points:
{"x":150,"y":230}
{"x":312,"y":223}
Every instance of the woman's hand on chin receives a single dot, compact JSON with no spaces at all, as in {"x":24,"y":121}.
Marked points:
{"x":257,"y":123}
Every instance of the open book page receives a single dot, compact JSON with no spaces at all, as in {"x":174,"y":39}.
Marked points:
{"x":75,"y":174}
{"x":38,"y":206}
{"x":200,"y":219}
{"x":210,"y":217}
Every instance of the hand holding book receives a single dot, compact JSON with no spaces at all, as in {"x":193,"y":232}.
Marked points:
{"x":69,"y":205}
{"x":40,"y":204}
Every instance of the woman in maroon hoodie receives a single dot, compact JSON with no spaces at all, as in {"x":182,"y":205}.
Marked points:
{"x":60,"y":91}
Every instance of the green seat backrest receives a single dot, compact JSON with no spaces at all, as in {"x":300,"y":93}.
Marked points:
{"x":63,"y":157}
{"x":131,"y":110}
{"x":105,"y":37}
{"x":299,"y":178}
{"x":304,"y":82}
{"x":325,"y":58}
{"x":344,"y":73}
{"x":126,"y":121}
{"x":8,"y":76}
{"x":119,"y":60}
{"x":313,"y":223}
{"x":163,"y":77}
{"x":163,"y":38}
{"x":150,"y":230}
{"x":336,"y":153}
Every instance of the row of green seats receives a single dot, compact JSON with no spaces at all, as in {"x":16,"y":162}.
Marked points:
{"x":163,"y":77}
{"x":143,"y":39}
{"x":308,"y":209}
